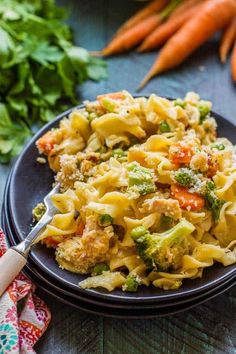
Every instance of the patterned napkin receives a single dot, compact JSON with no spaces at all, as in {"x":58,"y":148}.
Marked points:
{"x":23,"y":316}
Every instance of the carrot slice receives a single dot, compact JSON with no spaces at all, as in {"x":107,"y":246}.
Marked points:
{"x":212,"y":167}
{"x":51,"y":242}
{"x":80,"y":228}
{"x":47,"y":142}
{"x":180,"y":153}
{"x":113,"y":95}
{"x":187,"y":200}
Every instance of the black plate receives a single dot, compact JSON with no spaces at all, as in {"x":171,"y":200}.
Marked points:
{"x":121,"y":313}
{"x":42,"y":277}
{"x":111,"y":311}
{"x":70,"y":292}
{"x":31,"y":182}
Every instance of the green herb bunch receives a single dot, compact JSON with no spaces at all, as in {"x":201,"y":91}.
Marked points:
{"x":39,"y":69}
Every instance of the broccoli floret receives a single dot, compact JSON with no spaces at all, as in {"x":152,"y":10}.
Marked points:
{"x":164,"y":127}
{"x":213,"y":203}
{"x":210,"y":186}
{"x":164,"y":251}
{"x":38,"y":211}
{"x":105,"y":220}
{"x":100,"y":268}
{"x":184,"y":176}
{"x":141,"y":179}
{"x":204,"y":109}
{"x":132,"y":283}
{"x":119,"y":153}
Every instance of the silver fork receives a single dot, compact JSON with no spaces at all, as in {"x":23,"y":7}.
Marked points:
{"x":12,"y":262}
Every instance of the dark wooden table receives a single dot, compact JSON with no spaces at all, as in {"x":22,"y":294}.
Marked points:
{"x":207,"y":329}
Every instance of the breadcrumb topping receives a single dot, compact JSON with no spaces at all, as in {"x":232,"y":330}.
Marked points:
{"x":81,"y":253}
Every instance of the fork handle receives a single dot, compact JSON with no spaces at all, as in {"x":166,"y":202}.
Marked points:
{"x":11,"y":263}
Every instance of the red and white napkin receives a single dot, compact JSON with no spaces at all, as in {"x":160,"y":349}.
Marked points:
{"x":24,"y":317}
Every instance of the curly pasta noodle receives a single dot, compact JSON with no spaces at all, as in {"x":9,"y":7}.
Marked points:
{"x":125,"y":163}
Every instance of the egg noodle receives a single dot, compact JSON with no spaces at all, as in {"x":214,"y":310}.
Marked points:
{"x":148,"y":192}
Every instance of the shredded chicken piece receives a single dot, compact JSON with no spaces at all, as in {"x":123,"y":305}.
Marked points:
{"x":87,"y":161}
{"x":81,"y":253}
{"x":169,"y":207}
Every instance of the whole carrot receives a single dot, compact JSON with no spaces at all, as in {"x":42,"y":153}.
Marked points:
{"x":233,"y":64}
{"x":134,"y":35}
{"x":163,"y":32}
{"x":227,"y":41}
{"x":213,"y":16}
{"x":150,"y":9}
{"x":187,"y":4}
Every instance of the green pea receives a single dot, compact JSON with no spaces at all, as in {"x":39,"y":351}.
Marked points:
{"x":105,"y":220}
{"x":164,"y":127}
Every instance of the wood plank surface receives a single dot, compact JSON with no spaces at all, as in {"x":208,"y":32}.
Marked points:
{"x":207,"y":329}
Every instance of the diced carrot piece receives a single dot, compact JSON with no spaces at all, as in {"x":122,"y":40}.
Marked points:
{"x":180,"y":153}
{"x":212,"y":167}
{"x":187,"y":200}
{"x":51,"y":242}
{"x":80,"y":229}
{"x":46,"y":143}
{"x":113,"y":95}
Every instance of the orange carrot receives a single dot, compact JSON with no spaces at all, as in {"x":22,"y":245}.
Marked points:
{"x":214,"y":15}
{"x":51,"y":242}
{"x":227,"y":41}
{"x":46,"y":143}
{"x":186,"y":5}
{"x":180,"y":153}
{"x":134,"y":35}
{"x":212,"y":166}
{"x":113,"y":95}
{"x":163,"y":32}
{"x":187,"y":200}
{"x":154,"y":6}
{"x":233,"y":63}
{"x":80,"y":228}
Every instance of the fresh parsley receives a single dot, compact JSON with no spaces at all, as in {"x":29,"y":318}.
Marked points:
{"x":40,"y":68}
